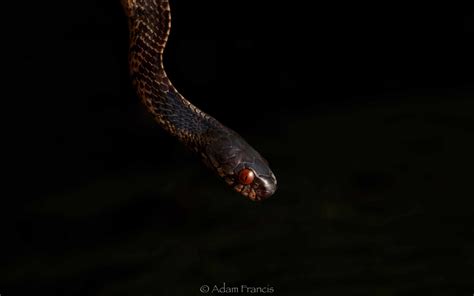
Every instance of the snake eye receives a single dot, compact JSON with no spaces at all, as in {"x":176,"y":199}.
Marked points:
{"x":246,"y":176}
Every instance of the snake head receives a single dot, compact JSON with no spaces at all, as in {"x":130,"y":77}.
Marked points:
{"x":240,"y":165}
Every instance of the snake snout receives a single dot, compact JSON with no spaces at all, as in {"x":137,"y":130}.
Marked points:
{"x":266,"y":192}
{"x":267,"y":188}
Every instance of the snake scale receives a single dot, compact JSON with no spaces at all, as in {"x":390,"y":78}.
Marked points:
{"x":221,"y":149}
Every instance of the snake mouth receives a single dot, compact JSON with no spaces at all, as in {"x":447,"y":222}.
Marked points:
{"x":247,"y":191}
{"x":254,"y":194}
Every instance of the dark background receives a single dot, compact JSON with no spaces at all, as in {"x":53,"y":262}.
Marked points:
{"x":365,"y":112}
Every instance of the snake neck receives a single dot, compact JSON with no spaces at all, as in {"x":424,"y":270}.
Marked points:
{"x":149,"y":25}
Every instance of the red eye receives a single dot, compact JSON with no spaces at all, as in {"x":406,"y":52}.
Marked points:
{"x":246,"y":176}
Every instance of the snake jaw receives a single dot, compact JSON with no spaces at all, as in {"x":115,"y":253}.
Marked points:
{"x":247,"y":191}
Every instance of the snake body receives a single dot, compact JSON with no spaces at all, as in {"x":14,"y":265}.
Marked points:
{"x":221,"y":149}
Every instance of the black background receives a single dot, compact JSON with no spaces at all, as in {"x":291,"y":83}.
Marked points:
{"x":363,"y":110}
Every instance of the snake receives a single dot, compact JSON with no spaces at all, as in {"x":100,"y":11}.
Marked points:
{"x":221,"y":149}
